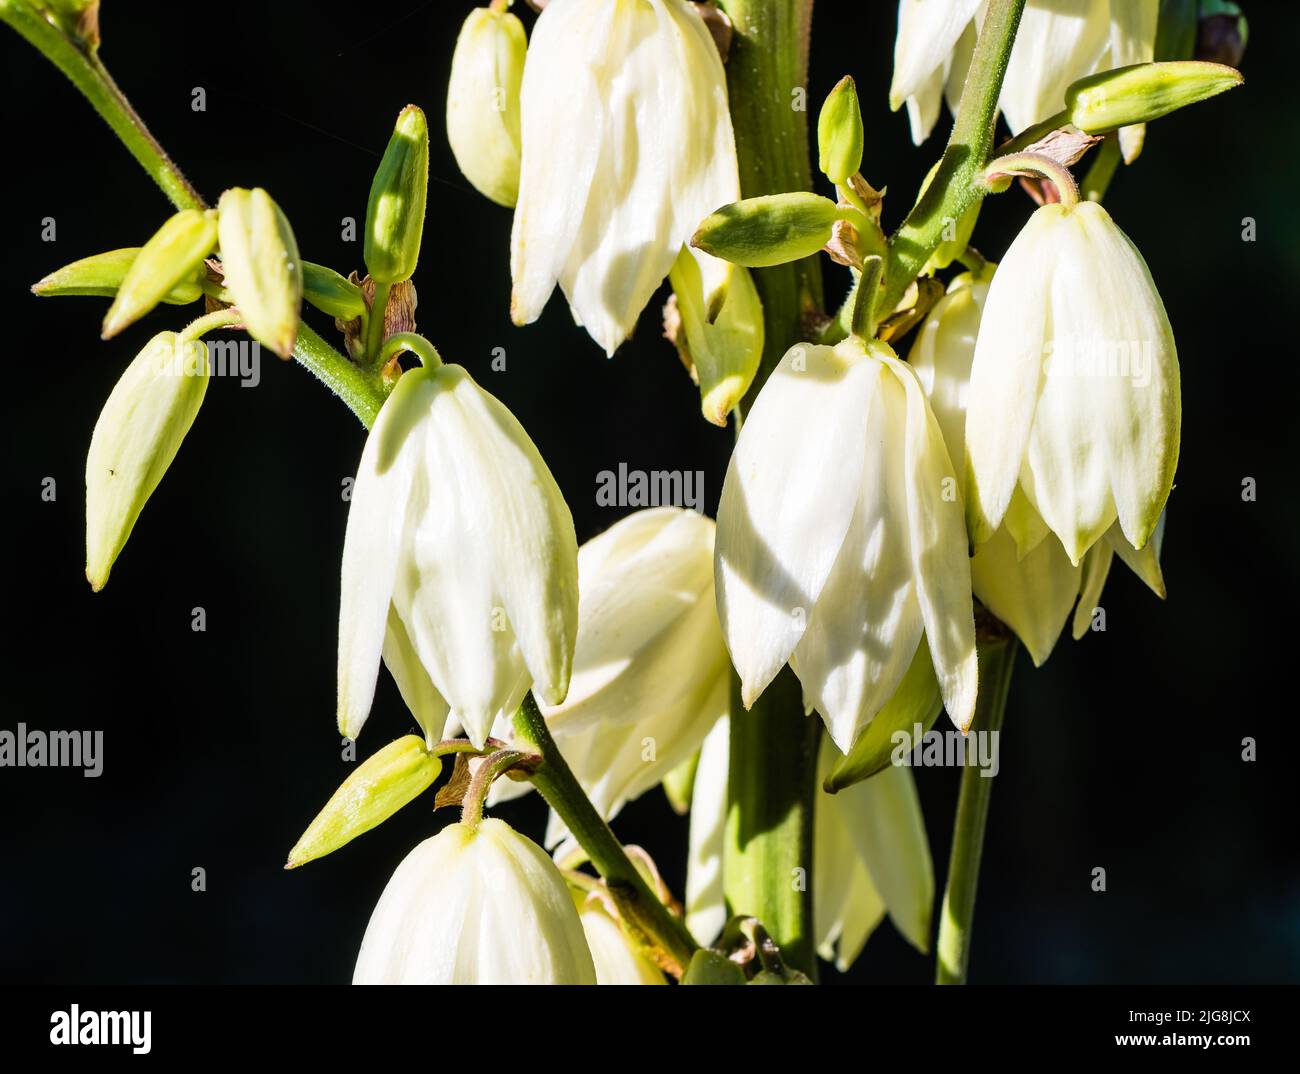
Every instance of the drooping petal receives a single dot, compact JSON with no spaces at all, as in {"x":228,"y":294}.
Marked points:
{"x":938,"y":549}
{"x":1145,"y":563}
{"x":867,"y":623}
{"x":413,"y":682}
{"x":923,"y":107}
{"x":1033,"y":595}
{"x":373,"y":543}
{"x":1007,"y":373}
{"x":1095,"y":568}
{"x":706,"y":910}
{"x":617,"y":961}
{"x":928,"y":32}
{"x":789,"y":495}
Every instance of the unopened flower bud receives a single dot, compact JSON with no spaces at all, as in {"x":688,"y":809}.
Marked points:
{"x":174,"y":254}
{"x":1147,"y":91}
{"x":380,"y":786}
{"x":136,"y":437}
{"x":259,"y":257}
{"x":483,"y":102}
{"x":102,"y":275}
{"x":839,"y":132}
{"x":395,"y":211}
{"x":770,"y":230}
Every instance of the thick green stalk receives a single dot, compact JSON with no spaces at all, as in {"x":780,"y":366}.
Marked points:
{"x":639,"y":906}
{"x":89,"y":75}
{"x":997,"y":659}
{"x":956,"y":186}
{"x":767,"y":860}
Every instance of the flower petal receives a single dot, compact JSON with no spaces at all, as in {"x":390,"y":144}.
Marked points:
{"x":1033,"y":595}
{"x":788,"y":499}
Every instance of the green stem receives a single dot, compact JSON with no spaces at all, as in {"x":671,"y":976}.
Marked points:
{"x":997,"y":659}
{"x":89,"y":75}
{"x":492,"y":767}
{"x":413,"y":342}
{"x":363,"y":394}
{"x":1041,"y":166}
{"x":200,"y":327}
{"x":1097,"y":180}
{"x":375,"y":324}
{"x":767,"y":860}
{"x":956,"y":186}
{"x":640,"y":908}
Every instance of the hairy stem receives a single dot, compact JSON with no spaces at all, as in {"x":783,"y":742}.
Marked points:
{"x":997,"y":659}
{"x":86,"y":72}
{"x":640,"y":908}
{"x":767,"y":862}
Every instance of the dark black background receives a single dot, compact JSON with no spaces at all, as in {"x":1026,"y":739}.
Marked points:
{"x":1123,"y":752}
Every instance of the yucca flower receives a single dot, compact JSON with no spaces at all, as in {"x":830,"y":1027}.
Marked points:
{"x":1074,"y":390}
{"x":1058,"y":42}
{"x":627,"y":146}
{"x":617,"y":960}
{"x":1022,"y":573}
{"x":460,"y":560}
{"x":840,"y":539}
{"x":475,"y":905}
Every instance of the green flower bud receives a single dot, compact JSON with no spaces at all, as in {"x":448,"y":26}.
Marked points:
{"x":331,"y":293}
{"x":136,"y":437}
{"x":101,"y":275}
{"x":174,"y":254}
{"x":380,"y":786}
{"x":771,"y":230}
{"x":1146,"y":91}
{"x":839,"y":132}
{"x":259,"y":257}
{"x":395,"y":212}
{"x":916,"y":701}
{"x":483,"y":102}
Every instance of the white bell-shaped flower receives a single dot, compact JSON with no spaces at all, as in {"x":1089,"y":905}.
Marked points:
{"x":627,"y":146}
{"x":475,"y":905}
{"x":931,"y":56}
{"x":1021,"y":574}
{"x":650,"y":671}
{"x":460,"y":560}
{"x":840,"y":539}
{"x":1074,"y":392}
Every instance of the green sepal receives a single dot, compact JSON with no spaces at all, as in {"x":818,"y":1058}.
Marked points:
{"x":101,"y":275}
{"x":771,"y":230}
{"x":331,"y":293}
{"x":916,"y":701}
{"x":175,"y":253}
{"x":378,"y":788}
{"x":395,"y":211}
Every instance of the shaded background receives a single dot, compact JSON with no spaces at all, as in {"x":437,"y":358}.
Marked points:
{"x":1123,"y":752}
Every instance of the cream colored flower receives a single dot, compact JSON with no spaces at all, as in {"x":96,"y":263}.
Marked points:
{"x":475,"y":905}
{"x":627,"y":146}
{"x":1074,"y":393}
{"x":617,"y":960}
{"x":460,"y":561}
{"x":840,"y":539}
